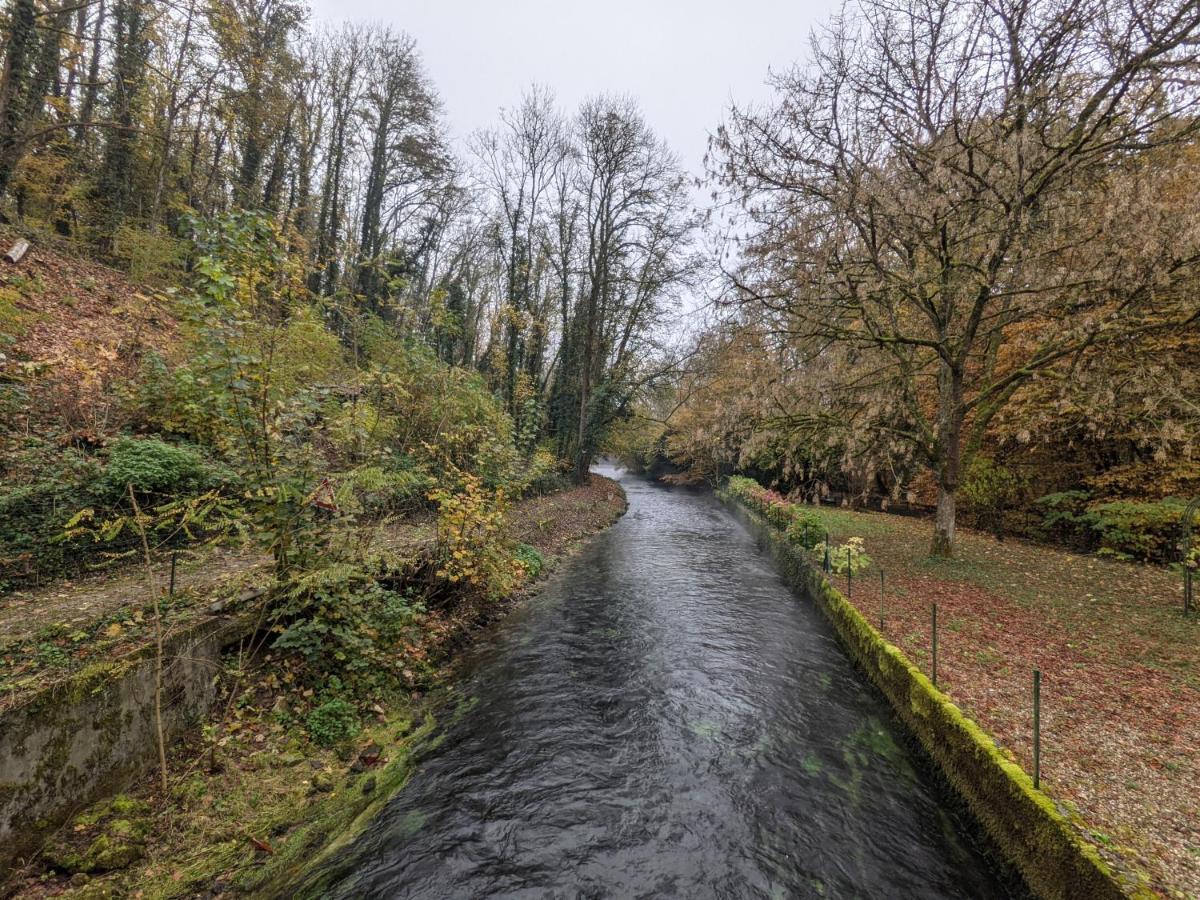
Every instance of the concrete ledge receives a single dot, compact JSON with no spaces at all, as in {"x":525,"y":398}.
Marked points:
{"x":1028,"y":828}
{"x":89,"y":736}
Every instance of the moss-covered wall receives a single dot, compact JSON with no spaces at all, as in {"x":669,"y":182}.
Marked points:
{"x":1025,"y":824}
{"x":88,"y":736}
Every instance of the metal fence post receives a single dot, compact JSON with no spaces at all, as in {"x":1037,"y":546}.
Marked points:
{"x":171,"y":589}
{"x":1037,"y":728}
{"x":828,"y":563}
{"x":849,"y":570}
{"x":881,"y":601}
{"x":933,"y":631}
{"x":1185,"y":551}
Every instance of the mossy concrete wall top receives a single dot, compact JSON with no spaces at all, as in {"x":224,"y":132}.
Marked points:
{"x":1028,"y":828}
{"x":79,"y":740}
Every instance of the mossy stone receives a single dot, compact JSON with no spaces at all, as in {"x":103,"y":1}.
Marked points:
{"x":109,"y":836}
{"x":98,"y":891}
{"x":106,"y":853}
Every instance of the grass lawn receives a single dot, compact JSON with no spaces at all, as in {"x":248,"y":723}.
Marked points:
{"x":1120,"y":673}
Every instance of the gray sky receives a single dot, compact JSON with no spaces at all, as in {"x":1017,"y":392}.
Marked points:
{"x":683,"y":61}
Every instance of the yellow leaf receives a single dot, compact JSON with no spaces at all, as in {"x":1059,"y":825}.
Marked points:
{"x":113,"y":630}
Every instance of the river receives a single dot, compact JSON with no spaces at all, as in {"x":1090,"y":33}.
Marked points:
{"x":666,"y":719}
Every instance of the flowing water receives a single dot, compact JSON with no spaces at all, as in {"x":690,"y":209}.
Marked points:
{"x":666,"y":719}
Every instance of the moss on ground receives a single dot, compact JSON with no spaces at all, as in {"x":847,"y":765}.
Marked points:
{"x":109,"y":836}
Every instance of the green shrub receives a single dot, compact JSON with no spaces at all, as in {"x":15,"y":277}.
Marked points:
{"x":772,"y":505}
{"x":850,"y":556}
{"x":1145,"y":530}
{"x":778,"y":513}
{"x":1065,"y":518}
{"x":742,"y":487}
{"x":543,"y":474}
{"x":332,"y":722}
{"x":385,"y":491}
{"x":806,"y":527}
{"x":530,"y":559}
{"x":153,"y":259}
{"x":152,"y":467}
{"x":989,"y":489}
{"x":339,"y":620}
{"x":32,"y":514}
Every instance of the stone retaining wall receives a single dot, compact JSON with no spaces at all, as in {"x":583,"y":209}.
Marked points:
{"x":89,"y":736}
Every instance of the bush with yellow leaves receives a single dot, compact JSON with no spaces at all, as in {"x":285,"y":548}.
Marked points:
{"x":471,"y":547}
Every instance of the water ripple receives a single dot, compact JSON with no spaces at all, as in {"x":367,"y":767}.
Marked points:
{"x":666,"y":720}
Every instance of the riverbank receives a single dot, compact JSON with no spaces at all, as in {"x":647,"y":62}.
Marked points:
{"x":1120,"y":695}
{"x":246,"y":809}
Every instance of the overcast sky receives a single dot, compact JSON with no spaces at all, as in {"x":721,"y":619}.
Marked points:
{"x":683,"y":61}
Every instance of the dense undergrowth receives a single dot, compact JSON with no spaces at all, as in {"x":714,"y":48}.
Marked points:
{"x":264,"y":417}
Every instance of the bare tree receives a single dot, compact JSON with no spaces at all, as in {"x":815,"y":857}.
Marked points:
{"x":634,"y":233}
{"x":407,"y":163}
{"x":520,"y":161}
{"x":934,"y":190}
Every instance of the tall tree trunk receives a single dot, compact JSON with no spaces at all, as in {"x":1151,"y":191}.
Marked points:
{"x":91,"y":88}
{"x":244,"y":193}
{"x":22,"y":45}
{"x":130,"y":55}
{"x":327,"y":224}
{"x":275,"y":176}
{"x":168,"y":135}
{"x":948,"y":459}
{"x":75,"y":60}
{"x":300,"y":204}
{"x":372,"y":238}
{"x":583,"y":452}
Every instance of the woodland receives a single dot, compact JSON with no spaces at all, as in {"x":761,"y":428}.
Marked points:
{"x":959,"y":257}
{"x":333,"y":290}
{"x":258,"y":297}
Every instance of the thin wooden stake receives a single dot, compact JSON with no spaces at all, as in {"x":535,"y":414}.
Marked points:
{"x":881,"y":601}
{"x":158,"y":639}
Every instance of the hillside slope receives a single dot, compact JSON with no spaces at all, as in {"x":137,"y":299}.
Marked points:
{"x":73,"y":333}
